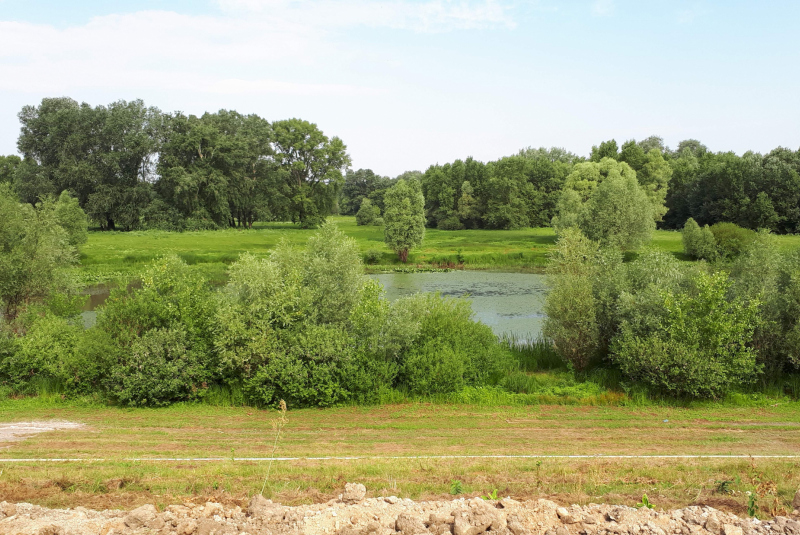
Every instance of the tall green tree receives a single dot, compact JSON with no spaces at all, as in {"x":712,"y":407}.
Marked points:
{"x":8,"y":167}
{"x":607,"y":203}
{"x":34,"y":249}
{"x":101,"y":154}
{"x":312,"y":166}
{"x":404,"y":217}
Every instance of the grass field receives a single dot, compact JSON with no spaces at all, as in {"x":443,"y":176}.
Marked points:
{"x":414,"y":429}
{"x":111,"y":255}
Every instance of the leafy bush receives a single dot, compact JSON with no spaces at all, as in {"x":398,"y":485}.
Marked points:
{"x":452,"y":222}
{"x":571,"y":306}
{"x":450,"y":350}
{"x":731,"y":239}
{"x":373,"y":256}
{"x":698,"y":243}
{"x":159,"y":369}
{"x":695,"y":343}
{"x":368,"y":213}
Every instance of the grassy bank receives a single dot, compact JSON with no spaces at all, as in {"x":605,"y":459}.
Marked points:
{"x":109,"y":255}
{"x":411,"y":429}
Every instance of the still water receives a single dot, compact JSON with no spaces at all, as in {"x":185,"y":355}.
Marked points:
{"x":507,"y":302}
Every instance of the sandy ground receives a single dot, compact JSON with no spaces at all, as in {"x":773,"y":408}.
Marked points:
{"x":16,"y":431}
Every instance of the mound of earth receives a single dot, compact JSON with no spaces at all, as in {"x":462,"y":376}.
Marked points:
{"x":352,"y":514}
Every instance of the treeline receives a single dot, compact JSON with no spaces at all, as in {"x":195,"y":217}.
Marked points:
{"x":135,"y":167}
{"x":753,"y":190}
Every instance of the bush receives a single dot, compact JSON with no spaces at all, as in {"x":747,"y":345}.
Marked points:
{"x":697,"y":343}
{"x":571,"y":306}
{"x":698,"y":243}
{"x":452,"y":222}
{"x":373,"y":256}
{"x":159,"y":369}
{"x":450,"y":350}
{"x":368,"y":213}
{"x":731,"y":239}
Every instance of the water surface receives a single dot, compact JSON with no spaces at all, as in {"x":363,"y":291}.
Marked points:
{"x":507,"y":302}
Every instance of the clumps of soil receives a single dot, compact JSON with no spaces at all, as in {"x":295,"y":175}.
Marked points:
{"x":354,"y":514}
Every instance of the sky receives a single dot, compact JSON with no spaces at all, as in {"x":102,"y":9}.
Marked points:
{"x":411,"y":83}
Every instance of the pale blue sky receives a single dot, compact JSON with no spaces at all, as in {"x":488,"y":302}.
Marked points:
{"x":409,"y":83}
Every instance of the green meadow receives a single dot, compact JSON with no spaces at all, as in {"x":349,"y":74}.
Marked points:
{"x":117,"y":255}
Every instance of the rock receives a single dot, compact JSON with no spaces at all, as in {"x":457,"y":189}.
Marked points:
{"x":391,"y":499}
{"x":354,"y":493}
{"x":562,"y":512}
{"x":212,"y":508}
{"x":187,"y":527}
{"x":713,"y":525}
{"x":477,"y":518}
{"x":730,"y":529}
{"x":143,"y":517}
{"x":516,"y":527}
{"x":562,"y":531}
{"x":7,"y":509}
{"x":51,"y":529}
{"x":616,"y":514}
{"x":206,"y":526}
{"x":409,"y":524}
{"x":440,"y":519}
{"x":263,"y":509}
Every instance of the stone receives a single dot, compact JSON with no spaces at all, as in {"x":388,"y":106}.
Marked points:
{"x":7,"y":509}
{"x":212,"y":508}
{"x":206,"y":526}
{"x":354,"y":493}
{"x":50,"y":529}
{"x":187,"y":527}
{"x":616,"y":514}
{"x":730,"y":529}
{"x":562,"y":512}
{"x":562,"y":531}
{"x":264,"y":509}
{"x":392,"y":499}
{"x":409,"y":524}
{"x":141,"y":517}
{"x":516,"y":527}
{"x":713,"y":524}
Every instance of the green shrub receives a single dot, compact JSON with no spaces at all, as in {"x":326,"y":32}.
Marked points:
{"x":731,"y":239}
{"x":698,"y":243}
{"x":159,"y":369}
{"x":368,"y":213}
{"x":373,"y":256}
{"x":47,"y":351}
{"x":450,"y":349}
{"x":452,"y":222}
{"x":694,"y":343}
{"x":571,"y":306}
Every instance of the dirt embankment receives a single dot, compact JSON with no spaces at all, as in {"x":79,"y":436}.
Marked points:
{"x":353,"y":514}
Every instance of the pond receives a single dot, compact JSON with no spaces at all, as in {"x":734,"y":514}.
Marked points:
{"x":510,"y":303}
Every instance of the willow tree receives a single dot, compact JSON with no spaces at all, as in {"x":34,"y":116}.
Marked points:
{"x":404,"y":217}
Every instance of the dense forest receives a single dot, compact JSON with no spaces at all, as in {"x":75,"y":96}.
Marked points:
{"x":135,"y":167}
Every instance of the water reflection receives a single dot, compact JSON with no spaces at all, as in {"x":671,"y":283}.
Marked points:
{"x":506,"y":302}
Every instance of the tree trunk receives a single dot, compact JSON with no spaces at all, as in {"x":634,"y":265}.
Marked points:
{"x":403,"y":254}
